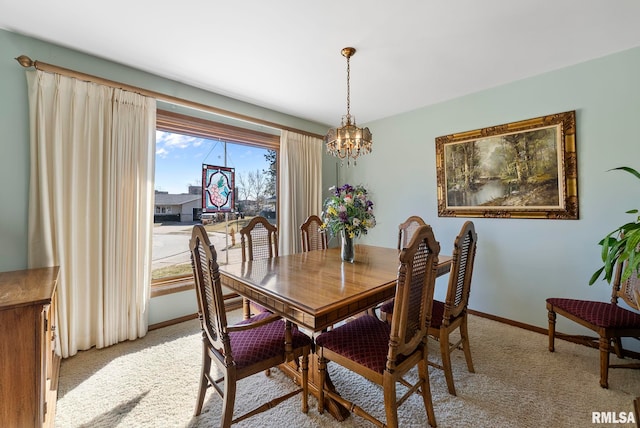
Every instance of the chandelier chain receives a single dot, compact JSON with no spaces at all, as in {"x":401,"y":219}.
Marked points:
{"x":348,"y":87}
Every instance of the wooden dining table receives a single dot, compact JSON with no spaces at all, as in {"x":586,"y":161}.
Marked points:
{"x":315,"y":290}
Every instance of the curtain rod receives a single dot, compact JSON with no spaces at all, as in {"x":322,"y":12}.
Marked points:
{"x":26,"y":62}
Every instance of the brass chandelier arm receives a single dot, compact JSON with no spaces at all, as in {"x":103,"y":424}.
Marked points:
{"x":27,"y":62}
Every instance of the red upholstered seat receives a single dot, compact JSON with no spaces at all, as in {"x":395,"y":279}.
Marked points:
{"x":364,"y":340}
{"x":602,"y":314}
{"x":608,"y":320}
{"x":262,"y":343}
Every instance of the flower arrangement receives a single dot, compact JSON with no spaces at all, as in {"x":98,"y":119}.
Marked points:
{"x":348,"y":210}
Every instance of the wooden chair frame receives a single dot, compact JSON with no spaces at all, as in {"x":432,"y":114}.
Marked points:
{"x":259,"y":240}
{"x":456,"y":302}
{"x":408,"y":335}
{"x":312,"y":236}
{"x":216,"y":338}
{"x":407,"y":228}
{"x":628,"y":291}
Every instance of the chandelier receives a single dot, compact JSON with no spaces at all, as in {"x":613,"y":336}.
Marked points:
{"x":348,"y":141}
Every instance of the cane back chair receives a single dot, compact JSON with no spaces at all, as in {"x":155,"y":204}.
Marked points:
{"x":259,"y":240}
{"x":608,"y":320}
{"x":406,"y":230}
{"x":451,"y":315}
{"x":383,"y":352}
{"x":242,"y":350}
{"x":312,"y":235}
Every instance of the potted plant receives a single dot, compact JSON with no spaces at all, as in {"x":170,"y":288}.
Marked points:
{"x":620,"y":245}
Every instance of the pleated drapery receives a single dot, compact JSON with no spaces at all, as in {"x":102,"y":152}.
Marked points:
{"x":91,"y":205}
{"x":300,"y":186}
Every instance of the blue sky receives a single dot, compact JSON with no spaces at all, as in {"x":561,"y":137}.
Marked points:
{"x":179,"y":159}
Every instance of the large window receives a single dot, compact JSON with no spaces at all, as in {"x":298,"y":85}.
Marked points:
{"x":183,"y":145}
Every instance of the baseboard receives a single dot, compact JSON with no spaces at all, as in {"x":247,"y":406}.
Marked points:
{"x":580,"y":340}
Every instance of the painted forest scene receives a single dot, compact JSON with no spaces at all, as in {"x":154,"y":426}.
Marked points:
{"x":510,"y":170}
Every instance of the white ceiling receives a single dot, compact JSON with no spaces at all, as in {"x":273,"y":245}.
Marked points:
{"x":285,"y":54}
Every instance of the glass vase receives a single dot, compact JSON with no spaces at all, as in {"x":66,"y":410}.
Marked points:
{"x":348,"y":250}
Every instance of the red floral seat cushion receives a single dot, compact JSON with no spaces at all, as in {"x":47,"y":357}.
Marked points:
{"x":364,"y":340}
{"x":601,"y":314}
{"x":255,"y":345}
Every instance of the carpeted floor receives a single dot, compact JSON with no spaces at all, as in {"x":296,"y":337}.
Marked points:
{"x":152,"y":382}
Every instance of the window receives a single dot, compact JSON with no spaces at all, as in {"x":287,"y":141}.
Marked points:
{"x":183,"y":144}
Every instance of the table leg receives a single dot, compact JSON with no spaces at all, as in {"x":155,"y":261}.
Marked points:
{"x":338,"y":411}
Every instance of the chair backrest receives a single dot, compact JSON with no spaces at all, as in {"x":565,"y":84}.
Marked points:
{"x":206,"y":275}
{"x":312,"y":235}
{"x":407,"y":229}
{"x":464,"y":253}
{"x":628,"y":289}
{"x":414,"y":294}
{"x":259,"y":240}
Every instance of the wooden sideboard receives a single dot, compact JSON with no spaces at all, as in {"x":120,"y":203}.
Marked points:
{"x":28,"y":363}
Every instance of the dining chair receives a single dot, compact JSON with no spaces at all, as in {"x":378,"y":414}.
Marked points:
{"x":312,"y":235}
{"x":608,"y":320}
{"x":244,"y":349}
{"x":383,"y":352}
{"x":406,"y":229}
{"x":451,"y":315}
{"x":259,"y":240}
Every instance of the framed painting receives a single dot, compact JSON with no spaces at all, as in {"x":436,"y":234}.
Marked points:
{"x":525,"y":169}
{"x":218,"y":183}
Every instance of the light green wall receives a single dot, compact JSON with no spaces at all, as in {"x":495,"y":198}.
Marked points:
{"x":520,"y":262}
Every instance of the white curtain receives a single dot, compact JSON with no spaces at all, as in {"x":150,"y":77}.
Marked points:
{"x":300,"y":186}
{"x":91,"y":206}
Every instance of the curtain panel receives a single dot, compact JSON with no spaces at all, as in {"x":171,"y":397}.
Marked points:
{"x":300,"y":186}
{"x":91,"y":205}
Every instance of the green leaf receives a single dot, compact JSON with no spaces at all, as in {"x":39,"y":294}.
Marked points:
{"x":629,"y":170}
{"x":595,"y":275}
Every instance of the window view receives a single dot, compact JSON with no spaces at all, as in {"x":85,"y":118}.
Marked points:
{"x":178,"y":197}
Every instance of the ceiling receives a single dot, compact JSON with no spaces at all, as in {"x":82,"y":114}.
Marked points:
{"x":285,"y":54}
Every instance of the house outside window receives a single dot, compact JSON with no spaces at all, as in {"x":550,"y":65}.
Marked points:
{"x":183,"y":144}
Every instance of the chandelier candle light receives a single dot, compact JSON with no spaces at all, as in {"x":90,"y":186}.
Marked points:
{"x":348,"y":141}
{"x":348,"y":213}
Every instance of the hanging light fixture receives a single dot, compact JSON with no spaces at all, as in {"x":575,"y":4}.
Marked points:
{"x":348,"y":141}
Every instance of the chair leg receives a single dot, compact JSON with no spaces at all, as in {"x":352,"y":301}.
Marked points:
{"x":425,"y":388}
{"x":552,"y":330}
{"x":228,"y":400}
{"x":246,"y":309}
{"x":464,"y":333}
{"x":604,"y":361}
{"x":390,"y":401}
{"x":304,"y":366}
{"x":322,"y":372}
{"x":445,"y":351}
{"x":617,"y":346}
{"x":204,"y":382}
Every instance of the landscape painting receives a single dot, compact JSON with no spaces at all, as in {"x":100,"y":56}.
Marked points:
{"x":524,"y":169}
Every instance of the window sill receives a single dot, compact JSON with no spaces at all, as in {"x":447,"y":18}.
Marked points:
{"x":162,"y":288}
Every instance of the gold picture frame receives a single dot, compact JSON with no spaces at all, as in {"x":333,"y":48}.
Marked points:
{"x":525,"y":169}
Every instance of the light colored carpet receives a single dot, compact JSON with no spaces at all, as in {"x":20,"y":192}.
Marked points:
{"x":152,"y":382}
